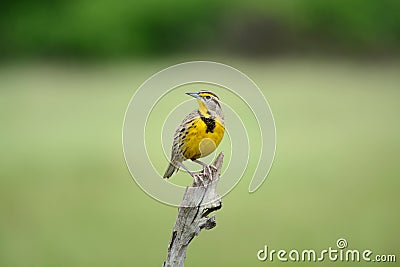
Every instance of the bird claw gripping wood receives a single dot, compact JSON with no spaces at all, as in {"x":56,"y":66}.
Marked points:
{"x":197,"y":179}
{"x":206,"y":168}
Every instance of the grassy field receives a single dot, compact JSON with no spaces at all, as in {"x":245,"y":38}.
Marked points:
{"x":67,"y":198}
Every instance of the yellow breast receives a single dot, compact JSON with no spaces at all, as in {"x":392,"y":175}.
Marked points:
{"x":202,"y":138}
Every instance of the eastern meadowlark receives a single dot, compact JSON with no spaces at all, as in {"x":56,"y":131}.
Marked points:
{"x":198,"y":135}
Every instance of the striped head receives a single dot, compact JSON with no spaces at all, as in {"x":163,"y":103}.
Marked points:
{"x":208,"y":103}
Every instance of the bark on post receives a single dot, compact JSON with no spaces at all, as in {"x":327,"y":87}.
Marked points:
{"x":198,"y":202}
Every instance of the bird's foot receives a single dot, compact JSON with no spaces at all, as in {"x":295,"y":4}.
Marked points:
{"x":213,"y":167}
{"x":206,"y":167}
{"x":204,"y":172}
{"x":210,"y":175}
{"x":198,"y":178}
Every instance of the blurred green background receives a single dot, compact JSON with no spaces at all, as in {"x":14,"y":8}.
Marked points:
{"x":329,"y":69}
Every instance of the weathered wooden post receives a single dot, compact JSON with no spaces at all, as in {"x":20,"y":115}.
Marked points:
{"x":198,"y":202}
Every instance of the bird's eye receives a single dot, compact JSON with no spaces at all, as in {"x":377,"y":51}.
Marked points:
{"x":207,"y":97}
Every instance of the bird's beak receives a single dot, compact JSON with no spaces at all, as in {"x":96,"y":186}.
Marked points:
{"x":195,"y":95}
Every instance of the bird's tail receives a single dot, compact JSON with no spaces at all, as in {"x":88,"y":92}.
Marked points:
{"x":170,"y":170}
